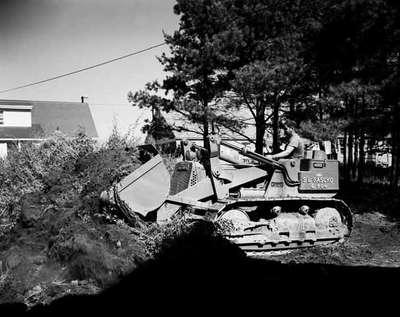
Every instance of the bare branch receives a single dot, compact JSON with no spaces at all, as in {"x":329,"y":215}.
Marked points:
{"x":268,"y":118}
{"x":249,"y":106}
{"x":180,"y":128}
{"x":238,"y":132}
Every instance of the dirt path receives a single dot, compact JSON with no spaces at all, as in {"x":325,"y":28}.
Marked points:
{"x":375,"y":241}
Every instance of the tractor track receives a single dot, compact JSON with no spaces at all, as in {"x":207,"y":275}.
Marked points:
{"x":375,"y":241}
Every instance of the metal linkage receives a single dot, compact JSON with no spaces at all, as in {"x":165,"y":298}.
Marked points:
{"x":262,"y":159}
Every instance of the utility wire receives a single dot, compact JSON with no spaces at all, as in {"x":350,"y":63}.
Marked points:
{"x":111,"y":104}
{"x":84,"y":69}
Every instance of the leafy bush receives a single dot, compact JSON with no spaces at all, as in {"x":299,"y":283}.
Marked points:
{"x":38,"y":168}
{"x":69,"y":170}
{"x":52,"y":220}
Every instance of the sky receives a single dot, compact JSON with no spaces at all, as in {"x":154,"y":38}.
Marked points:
{"x":40,"y":39}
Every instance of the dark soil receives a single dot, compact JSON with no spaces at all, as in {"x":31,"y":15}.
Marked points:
{"x":57,"y":255}
{"x":55,"y":251}
{"x":55,"y":236}
{"x":375,"y":241}
{"x":207,"y":275}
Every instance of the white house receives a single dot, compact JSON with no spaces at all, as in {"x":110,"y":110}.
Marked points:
{"x":32,"y":121}
{"x":377,"y":151}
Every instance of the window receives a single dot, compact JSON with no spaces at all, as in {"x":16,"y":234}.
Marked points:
{"x":341,"y":145}
{"x":1,"y":117}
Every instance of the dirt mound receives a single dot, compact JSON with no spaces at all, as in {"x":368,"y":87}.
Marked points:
{"x":203,"y":273}
{"x":61,"y":240}
{"x":54,"y":251}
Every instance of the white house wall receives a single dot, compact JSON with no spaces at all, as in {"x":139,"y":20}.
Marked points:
{"x":17,"y":118}
{"x":3,"y":150}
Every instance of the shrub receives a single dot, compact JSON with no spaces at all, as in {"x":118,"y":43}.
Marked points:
{"x":65,"y":169}
{"x":38,"y":168}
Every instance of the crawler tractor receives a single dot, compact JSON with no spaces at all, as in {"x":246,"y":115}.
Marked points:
{"x":273,"y":205}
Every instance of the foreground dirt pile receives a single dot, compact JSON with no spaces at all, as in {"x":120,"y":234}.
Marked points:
{"x":53,"y":251}
{"x":55,"y":238}
{"x":202,"y":272}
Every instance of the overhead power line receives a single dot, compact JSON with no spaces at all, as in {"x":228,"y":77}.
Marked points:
{"x":83,"y":69}
{"x":111,"y":104}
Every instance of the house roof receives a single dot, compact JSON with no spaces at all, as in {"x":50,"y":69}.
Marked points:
{"x":49,"y":116}
{"x":34,"y":132}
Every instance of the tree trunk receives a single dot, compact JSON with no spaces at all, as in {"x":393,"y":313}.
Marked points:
{"x":205,"y":126}
{"x":395,"y":130}
{"x":320,"y":108}
{"x":260,"y":129}
{"x":205,"y":134}
{"x":361,"y":161}
{"x":345,"y":155}
{"x":355,"y":158}
{"x":394,"y":175}
{"x":275,"y":127}
{"x":349,"y":157}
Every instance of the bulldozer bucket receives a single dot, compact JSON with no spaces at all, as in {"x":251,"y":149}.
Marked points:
{"x":145,"y":189}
